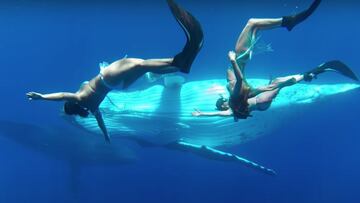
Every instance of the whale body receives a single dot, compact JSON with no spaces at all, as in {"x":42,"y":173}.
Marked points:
{"x":162,"y":115}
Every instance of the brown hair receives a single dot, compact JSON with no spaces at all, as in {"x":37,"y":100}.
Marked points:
{"x":240,"y":105}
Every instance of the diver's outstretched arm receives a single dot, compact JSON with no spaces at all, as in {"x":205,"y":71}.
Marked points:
{"x":101,"y":124}
{"x":59,"y":96}
{"x":214,"y":154}
{"x":197,"y":112}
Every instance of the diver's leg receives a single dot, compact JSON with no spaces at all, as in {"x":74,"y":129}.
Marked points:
{"x":333,"y":66}
{"x":159,"y":66}
{"x":263,"y":101}
{"x":266,"y":94}
{"x":297,"y":78}
{"x":329,"y":66}
{"x":248,"y":35}
{"x":277,"y":83}
{"x":131,"y":69}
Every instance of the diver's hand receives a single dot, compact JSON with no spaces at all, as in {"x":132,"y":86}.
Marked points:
{"x":196,"y":113}
{"x":232,"y":56}
{"x":34,"y":96}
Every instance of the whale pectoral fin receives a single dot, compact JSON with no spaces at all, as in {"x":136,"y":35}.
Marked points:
{"x":215,"y":154}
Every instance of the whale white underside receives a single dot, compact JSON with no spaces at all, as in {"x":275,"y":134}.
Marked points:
{"x":162,"y":115}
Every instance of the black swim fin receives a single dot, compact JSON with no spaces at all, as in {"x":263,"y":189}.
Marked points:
{"x":335,"y":65}
{"x":291,"y":21}
{"x":194,"y":37}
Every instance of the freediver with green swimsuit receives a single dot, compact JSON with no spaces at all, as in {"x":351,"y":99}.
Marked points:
{"x":127,"y":70}
{"x":243,"y":98}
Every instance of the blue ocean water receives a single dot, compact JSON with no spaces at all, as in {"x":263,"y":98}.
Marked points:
{"x":54,"y":46}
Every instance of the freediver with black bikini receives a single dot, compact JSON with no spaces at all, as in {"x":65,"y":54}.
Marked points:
{"x":127,"y":70}
{"x":243,"y":98}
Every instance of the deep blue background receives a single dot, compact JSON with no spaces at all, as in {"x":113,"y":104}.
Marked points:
{"x":54,"y":46}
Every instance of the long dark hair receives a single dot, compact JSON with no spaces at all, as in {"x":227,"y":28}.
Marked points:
{"x":72,"y":108}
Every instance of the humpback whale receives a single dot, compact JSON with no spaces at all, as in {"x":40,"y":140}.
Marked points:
{"x":161,"y":116}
